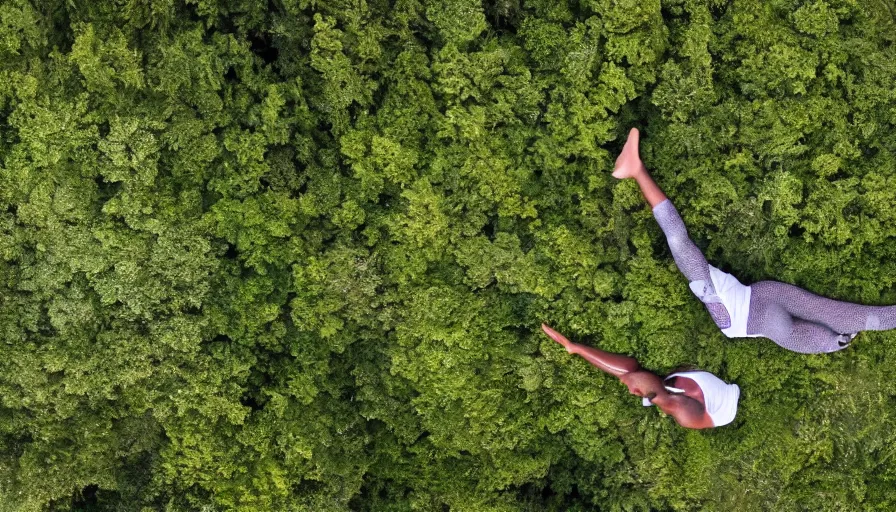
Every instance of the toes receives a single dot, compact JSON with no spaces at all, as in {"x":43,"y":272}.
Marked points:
{"x":634,"y":137}
{"x":631,"y":144}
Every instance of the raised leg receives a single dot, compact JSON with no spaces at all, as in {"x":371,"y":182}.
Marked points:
{"x":687,"y":255}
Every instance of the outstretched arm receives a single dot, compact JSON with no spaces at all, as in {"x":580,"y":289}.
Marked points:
{"x":614,"y":364}
{"x":687,"y":412}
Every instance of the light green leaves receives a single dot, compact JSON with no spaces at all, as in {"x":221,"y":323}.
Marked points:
{"x":458,"y":21}
{"x":106,"y":61}
{"x":293,"y":255}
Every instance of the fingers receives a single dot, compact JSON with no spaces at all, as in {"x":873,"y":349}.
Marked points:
{"x":554,"y":335}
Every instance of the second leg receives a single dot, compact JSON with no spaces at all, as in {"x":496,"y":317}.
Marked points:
{"x":841,"y":317}
{"x":799,"y":335}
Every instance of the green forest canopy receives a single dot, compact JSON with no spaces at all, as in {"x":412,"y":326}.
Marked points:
{"x":293,"y":254}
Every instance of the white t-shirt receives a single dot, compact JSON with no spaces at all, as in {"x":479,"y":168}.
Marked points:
{"x":719,"y":397}
{"x":734,"y":296}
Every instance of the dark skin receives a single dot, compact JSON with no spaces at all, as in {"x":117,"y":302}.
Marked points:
{"x":687,"y":409}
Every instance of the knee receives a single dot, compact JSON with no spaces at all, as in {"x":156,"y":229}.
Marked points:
{"x":872,"y":322}
{"x":676,"y":241}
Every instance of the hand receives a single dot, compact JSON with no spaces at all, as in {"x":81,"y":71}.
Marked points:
{"x":642,"y":383}
{"x":559,"y":338}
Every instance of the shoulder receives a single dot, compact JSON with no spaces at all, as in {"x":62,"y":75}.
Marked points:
{"x":688,"y":412}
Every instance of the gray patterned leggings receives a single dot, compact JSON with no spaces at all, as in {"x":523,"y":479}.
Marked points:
{"x":792,"y":317}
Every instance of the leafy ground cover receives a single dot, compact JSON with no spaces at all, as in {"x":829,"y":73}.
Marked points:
{"x":293,"y":254}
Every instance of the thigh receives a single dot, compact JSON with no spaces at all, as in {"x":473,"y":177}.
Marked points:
{"x":774,"y":322}
{"x":839,"y":316}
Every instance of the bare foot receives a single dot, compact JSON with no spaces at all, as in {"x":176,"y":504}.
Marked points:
{"x":628,"y":164}
{"x":559,"y":338}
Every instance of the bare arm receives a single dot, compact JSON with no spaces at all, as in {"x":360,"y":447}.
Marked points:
{"x":688,"y":413}
{"x":614,"y":364}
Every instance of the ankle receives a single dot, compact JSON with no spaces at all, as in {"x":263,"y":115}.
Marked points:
{"x":640,"y":173}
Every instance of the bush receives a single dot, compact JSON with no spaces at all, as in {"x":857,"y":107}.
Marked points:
{"x":293,"y":255}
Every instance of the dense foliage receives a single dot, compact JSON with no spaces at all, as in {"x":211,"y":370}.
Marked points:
{"x":293,"y":254}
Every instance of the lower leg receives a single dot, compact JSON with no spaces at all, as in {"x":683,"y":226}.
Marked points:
{"x":614,"y":364}
{"x":812,"y":338}
{"x":650,"y":190}
{"x":687,"y":255}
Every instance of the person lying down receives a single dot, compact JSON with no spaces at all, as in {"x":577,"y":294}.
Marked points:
{"x":793,"y":318}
